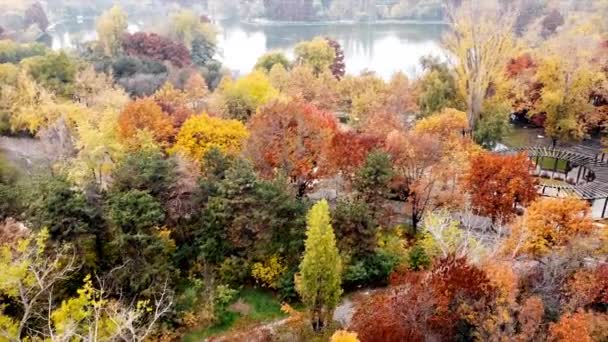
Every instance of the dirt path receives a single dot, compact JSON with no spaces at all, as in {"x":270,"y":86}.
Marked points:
{"x":342,"y":315}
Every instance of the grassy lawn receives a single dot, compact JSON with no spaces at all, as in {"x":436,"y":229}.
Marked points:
{"x":549,"y":163}
{"x":263,"y":306}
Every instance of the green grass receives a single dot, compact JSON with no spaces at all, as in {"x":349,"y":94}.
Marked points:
{"x":264,"y":307}
{"x":549,"y":163}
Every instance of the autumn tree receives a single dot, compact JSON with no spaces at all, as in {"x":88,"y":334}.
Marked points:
{"x":29,"y":272}
{"x":201,"y":133}
{"x":241,"y":98}
{"x":571,"y":327}
{"x":290,"y":138}
{"x":153,"y":46}
{"x":318,"y":282}
{"x":446,"y":124}
{"x":565,"y":96}
{"x":437,"y":87}
{"x":425,"y":305}
{"x":588,"y":289}
{"x":144,"y":115}
{"x":498,"y":183}
{"x":482,"y":42}
{"x":111,"y":25}
{"x":348,"y":151}
{"x":319,"y":90}
{"x":316,"y":53}
{"x":550,"y":223}
{"x":416,"y":161}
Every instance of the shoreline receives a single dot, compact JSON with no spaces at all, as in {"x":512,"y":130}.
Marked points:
{"x":266,"y":22}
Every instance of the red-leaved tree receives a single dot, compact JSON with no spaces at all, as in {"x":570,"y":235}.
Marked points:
{"x":291,"y":138}
{"x":159,"y":48}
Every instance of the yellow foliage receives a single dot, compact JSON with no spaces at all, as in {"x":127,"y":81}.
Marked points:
{"x":269,"y":272}
{"x":447,"y":123}
{"x":344,"y":336}
{"x":202,"y":133}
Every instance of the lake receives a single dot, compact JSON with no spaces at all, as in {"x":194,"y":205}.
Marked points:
{"x":382,"y":47}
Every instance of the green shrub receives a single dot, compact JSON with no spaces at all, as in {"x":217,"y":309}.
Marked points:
{"x":234,"y":271}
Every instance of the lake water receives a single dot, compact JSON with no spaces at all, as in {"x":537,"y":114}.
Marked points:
{"x":383,"y":47}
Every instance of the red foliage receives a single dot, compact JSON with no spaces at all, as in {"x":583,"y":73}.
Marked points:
{"x":497,"y":183}
{"x":156,"y":47}
{"x":520,"y":64}
{"x":179,"y":114}
{"x":291,"y":137}
{"x":348,"y":151}
{"x":421,"y":306}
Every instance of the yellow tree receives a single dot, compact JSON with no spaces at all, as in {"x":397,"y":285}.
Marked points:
{"x":482,"y":42}
{"x":111,"y":25}
{"x":569,"y":75}
{"x":202,"y":133}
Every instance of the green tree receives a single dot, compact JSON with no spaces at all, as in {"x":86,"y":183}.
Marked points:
{"x":186,"y":27}
{"x":319,"y":280}
{"x":494,"y":124}
{"x":143,"y":170}
{"x":111,"y":25}
{"x":437,"y":88}
{"x":372,"y":180}
{"x":270,"y":59}
{"x":55,"y":71}
{"x":139,"y":249}
{"x":355,"y":227}
{"x":317,"y":53}
{"x":54,"y":204}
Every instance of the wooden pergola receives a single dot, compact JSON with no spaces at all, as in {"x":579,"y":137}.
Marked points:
{"x":591,"y":167}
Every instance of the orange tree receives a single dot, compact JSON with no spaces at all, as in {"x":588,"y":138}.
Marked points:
{"x":550,"y":223}
{"x":497,"y":183}
{"x":291,"y":138}
{"x":144,"y":115}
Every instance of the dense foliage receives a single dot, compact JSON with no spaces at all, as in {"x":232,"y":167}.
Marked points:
{"x":148,"y":194}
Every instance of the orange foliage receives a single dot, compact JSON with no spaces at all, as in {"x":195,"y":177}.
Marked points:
{"x":291,"y":137}
{"x":588,"y":288}
{"x":497,"y":183}
{"x":530,"y":318}
{"x":144,"y":114}
{"x":518,"y":65}
{"x":571,"y":327}
{"x":551,"y":222}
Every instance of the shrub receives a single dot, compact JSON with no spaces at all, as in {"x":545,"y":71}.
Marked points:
{"x":269,"y":273}
{"x":234,"y":271}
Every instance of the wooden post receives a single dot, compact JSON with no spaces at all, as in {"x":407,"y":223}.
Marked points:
{"x":578,"y":177}
{"x":554,"y":168}
{"x":604,"y":210}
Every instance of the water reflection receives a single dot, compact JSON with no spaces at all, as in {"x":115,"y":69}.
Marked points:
{"x":384,"y":48}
